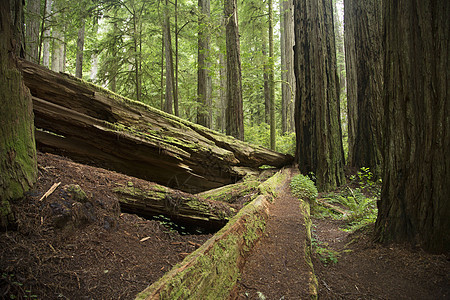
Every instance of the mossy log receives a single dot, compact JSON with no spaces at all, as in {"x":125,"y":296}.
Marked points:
{"x":182,"y":208}
{"x":230,"y":193}
{"x":94,"y":125}
{"x":212,"y":270}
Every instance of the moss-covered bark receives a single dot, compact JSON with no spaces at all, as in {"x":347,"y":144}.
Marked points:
{"x":17,"y":148}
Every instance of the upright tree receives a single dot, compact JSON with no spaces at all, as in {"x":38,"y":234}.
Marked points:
{"x":271,"y":79}
{"x":318,"y":129}
{"x":364,"y":62}
{"x":170,"y":80}
{"x":46,"y":33}
{"x":33,"y":18}
{"x":235,"y":114}
{"x":204,"y":82}
{"x":287,"y":65}
{"x":80,"y":48}
{"x":415,"y":204}
{"x":18,"y":167}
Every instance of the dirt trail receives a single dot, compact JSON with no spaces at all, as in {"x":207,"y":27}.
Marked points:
{"x":277,"y":269}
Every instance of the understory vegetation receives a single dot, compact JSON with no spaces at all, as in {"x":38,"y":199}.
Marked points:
{"x":355,"y":204}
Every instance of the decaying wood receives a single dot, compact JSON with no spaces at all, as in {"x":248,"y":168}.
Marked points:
{"x":93,"y":125}
{"x":184,"y":208}
{"x":231,"y":192}
{"x":212,"y":270}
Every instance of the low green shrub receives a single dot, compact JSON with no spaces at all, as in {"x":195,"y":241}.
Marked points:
{"x":303,"y":187}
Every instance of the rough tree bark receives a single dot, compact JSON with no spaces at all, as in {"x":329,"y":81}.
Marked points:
{"x":271,"y":78}
{"x":235,"y":114}
{"x":204,"y":82}
{"x":318,"y":127}
{"x":33,"y":17}
{"x":80,"y":49}
{"x":170,"y":82}
{"x":18,"y":167}
{"x":364,"y":62}
{"x":415,"y":204}
{"x":287,"y":66}
{"x":93,"y":125}
{"x":46,"y":33}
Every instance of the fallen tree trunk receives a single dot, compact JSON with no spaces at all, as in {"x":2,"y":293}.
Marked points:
{"x":94,"y":125}
{"x":180,"y":207}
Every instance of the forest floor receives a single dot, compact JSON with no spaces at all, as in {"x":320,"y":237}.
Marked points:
{"x":64,"y":249}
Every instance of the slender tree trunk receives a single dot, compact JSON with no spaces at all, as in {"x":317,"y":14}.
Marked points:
{"x":175,"y":90}
{"x":364,"y":71}
{"x":170,"y":83}
{"x":162,"y":70}
{"x":94,"y":56}
{"x":58,"y":52}
{"x":18,"y":167}
{"x":319,"y":143}
{"x":271,"y":79}
{"x":415,"y":204}
{"x":204,"y":110}
{"x":33,"y":17}
{"x":46,"y":34}
{"x":235,"y":114}
{"x":266,"y":81}
{"x":287,"y":66}
{"x":80,"y":49}
{"x":223,"y":85}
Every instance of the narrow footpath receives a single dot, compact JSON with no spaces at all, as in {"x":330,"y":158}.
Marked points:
{"x":277,"y":267}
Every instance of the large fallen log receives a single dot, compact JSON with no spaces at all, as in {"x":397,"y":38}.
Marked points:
{"x":182,"y":208}
{"x":93,"y":125}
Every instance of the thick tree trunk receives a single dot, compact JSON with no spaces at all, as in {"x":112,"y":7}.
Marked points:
{"x":128,"y":136}
{"x":363,"y":25}
{"x":46,"y":34}
{"x":271,"y":79}
{"x":235,"y":113}
{"x":204,"y":82}
{"x":80,"y":50}
{"x":415,"y":204}
{"x":181,"y":207}
{"x":33,"y":18}
{"x":18,"y":167}
{"x":287,"y":66}
{"x":318,"y":127}
{"x":170,"y":83}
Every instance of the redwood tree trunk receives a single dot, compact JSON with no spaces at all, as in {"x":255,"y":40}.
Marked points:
{"x":364,"y":61}
{"x":33,"y":25}
{"x":17,"y":147}
{"x":318,"y":127}
{"x":415,"y":204}
{"x":235,"y":114}
{"x":170,"y":83}
{"x":204,"y":110}
{"x":80,"y":49}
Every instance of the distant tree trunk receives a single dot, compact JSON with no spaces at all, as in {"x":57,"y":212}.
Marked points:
{"x":415,"y":204}
{"x":223,"y":86}
{"x":80,"y":49}
{"x":266,"y":81}
{"x":162,"y":71}
{"x":271,"y":79}
{"x":94,"y":56}
{"x":33,"y":17}
{"x":235,"y":114}
{"x":175,"y":90}
{"x":319,"y":143}
{"x":170,"y":83}
{"x":204,"y":111}
{"x":18,"y":167}
{"x":287,"y":66}
{"x":58,"y":63}
{"x":364,"y":52}
{"x":46,"y":34}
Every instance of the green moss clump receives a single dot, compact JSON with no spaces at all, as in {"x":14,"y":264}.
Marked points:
{"x":303,"y":187}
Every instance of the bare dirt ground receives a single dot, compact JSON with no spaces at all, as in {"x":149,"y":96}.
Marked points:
{"x":367,"y":270}
{"x":276,"y":268}
{"x":64,"y":249}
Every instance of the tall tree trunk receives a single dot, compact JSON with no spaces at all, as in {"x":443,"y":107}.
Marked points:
{"x":415,"y":204}
{"x":170,"y":83}
{"x":204,"y":82}
{"x":80,"y":49}
{"x":266,"y":80}
{"x":46,"y":34}
{"x":58,"y":44}
{"x":235,"y":113}
{"x":162,"y":71}
{"x":319,"y":143}
{"x":33,"y":17}
{"x":363,"y":27}
{"x":175,"y":89}
{"x":94,"y":56}
{"x":287,"y":66}
{"x":17,"y":147}
{"x":271,"y":79}
{"x":223,"y":85}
